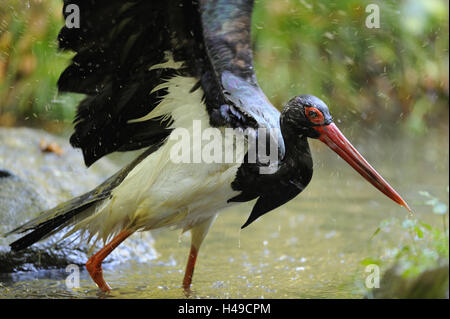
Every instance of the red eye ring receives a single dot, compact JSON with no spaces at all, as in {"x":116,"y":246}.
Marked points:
{"x":314,"y":115}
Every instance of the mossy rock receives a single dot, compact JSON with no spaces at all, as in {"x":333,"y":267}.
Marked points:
{"x":430,"y":284}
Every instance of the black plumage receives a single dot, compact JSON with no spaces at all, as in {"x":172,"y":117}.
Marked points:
{"x":115,"y":53}
{"x":120,"y":41}
{"x":127,"y":53}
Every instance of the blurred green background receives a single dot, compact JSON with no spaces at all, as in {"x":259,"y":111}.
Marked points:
{"x":392,"y":80}
{"x":395,"y":74}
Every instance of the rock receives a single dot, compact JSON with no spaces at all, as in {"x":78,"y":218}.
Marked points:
{"x":430,"y":284}
{"x":37,"y":172}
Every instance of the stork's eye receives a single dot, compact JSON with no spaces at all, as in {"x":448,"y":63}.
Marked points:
{"x":314,"y":115}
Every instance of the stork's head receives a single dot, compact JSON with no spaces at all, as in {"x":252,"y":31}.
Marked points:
{"x":307,"y":115}
{"x":304,"y":114}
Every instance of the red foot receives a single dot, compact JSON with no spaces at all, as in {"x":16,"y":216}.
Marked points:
{"x":187,"y":291}
{"x":95,"y":270}
{"x":187,"y":285}
{"x":94,"y":264}
{"x":187,"y":281}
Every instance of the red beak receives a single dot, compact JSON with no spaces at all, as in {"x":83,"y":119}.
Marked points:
{"x":332,"y":136}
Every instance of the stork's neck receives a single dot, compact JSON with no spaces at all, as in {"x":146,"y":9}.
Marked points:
{"x":292,"y":175}
{"x":296,"y":165}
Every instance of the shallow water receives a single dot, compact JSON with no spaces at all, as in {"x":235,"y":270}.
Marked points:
{"x":311,"y":247}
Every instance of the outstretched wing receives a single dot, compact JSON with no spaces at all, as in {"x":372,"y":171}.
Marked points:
{"x":126,"y":48}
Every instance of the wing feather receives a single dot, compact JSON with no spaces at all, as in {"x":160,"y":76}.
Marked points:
{"x":126,"y":50}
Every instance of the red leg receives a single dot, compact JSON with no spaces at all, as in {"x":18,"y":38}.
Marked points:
{"x":190,"y":269}
{"x":198,"y":233}
{"x":94,"y":264}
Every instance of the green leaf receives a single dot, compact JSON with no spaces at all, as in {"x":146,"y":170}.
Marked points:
{"x":419,"y":232}
{"x":426,"y":225}
{"x":375,"y":233}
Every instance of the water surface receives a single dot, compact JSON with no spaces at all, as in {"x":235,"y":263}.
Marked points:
{"x":311,"y":247}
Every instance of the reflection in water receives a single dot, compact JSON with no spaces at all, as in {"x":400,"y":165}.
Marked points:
{"x":309,"y":248}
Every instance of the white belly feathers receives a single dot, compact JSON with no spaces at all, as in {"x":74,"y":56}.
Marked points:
{"x":159,"y":192}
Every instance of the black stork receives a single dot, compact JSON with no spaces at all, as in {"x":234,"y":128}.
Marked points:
{"x":150,"y":67}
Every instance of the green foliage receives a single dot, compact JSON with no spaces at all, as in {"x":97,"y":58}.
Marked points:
{"x":429,"y":249}
{"x":30,"y":63}
{"x":420,"y":258}
{"x":397,"y":72}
